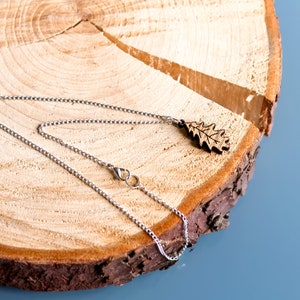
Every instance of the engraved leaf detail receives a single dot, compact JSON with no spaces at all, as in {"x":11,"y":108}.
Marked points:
{"x":209,"y":138}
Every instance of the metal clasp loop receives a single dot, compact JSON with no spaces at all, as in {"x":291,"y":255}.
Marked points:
{"x":132,"y":181}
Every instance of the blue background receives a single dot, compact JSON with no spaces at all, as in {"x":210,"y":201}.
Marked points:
{"x":257,"y":256}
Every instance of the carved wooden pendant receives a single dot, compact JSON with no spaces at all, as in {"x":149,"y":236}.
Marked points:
{"x":209,"y":138}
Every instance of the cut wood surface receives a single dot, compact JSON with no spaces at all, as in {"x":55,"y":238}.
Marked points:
{"x":216,"y":61}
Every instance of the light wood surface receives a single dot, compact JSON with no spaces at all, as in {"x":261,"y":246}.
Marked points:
{"x":214,"y":61}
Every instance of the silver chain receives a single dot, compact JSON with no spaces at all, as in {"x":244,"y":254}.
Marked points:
{"x":122,"y":174}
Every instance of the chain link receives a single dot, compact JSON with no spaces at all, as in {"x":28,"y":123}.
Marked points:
{"x":132,"y":181}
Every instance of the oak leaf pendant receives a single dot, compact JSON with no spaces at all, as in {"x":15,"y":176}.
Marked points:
{"x":209,"y":138}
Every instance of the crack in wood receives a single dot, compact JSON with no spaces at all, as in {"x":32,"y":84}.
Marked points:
{"x":50,"y":36}
{"x":258,"y":110}
{"x":64,"y":30}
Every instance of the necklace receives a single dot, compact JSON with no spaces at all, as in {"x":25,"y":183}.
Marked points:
{"x":208,"y":138}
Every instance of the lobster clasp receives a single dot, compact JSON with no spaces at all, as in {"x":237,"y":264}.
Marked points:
{"x":121,"y":173}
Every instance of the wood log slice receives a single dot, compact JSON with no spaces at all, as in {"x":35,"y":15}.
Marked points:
{"x":218,"y":61}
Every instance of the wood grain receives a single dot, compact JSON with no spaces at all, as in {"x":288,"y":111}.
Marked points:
{"x":218,"y":62}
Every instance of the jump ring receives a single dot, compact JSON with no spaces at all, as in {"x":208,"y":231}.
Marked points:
{"x":134,"y":181}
